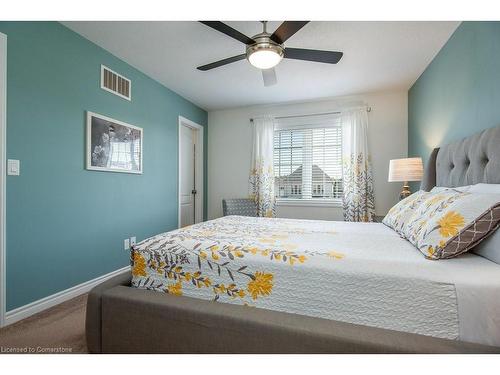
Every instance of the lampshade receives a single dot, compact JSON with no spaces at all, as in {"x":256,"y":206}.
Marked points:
{"x":409,"y":169}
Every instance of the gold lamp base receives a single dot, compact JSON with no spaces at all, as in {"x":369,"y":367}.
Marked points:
{"x":405,"y":193}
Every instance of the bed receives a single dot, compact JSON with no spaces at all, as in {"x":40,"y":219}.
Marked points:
{"x":240,"y":284}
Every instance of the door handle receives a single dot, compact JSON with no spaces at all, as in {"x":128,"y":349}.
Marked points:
{"x":194,"y":192}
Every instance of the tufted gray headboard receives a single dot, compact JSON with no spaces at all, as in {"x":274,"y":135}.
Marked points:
{"x":469,"y":161}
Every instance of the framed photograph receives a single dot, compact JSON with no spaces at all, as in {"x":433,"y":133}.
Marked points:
{"x":112,"y":145}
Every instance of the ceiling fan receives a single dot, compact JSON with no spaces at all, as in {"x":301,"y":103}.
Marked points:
{"x":265,"y":50}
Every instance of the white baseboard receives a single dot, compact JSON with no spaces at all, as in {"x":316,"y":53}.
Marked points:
{"x":32,"y":308}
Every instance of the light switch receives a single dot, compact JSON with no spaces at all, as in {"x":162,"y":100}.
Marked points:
{"x":13,"y":168}
{"x":126,"y":244}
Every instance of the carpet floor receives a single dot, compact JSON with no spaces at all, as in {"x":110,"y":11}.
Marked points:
{"x":60,"y":329}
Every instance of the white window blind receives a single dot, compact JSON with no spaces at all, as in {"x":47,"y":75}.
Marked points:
{"x":308,"y":160}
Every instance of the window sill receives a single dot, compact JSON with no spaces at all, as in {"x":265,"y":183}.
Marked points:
{"x":309,"y":202}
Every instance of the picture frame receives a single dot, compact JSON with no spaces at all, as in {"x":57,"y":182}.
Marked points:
{"x":113,"y":145}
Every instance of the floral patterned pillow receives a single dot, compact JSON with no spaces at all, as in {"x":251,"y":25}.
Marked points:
{"x":399,"y":214}
{"x":448,"y":223}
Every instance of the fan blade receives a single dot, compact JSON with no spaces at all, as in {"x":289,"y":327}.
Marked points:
{"x":286,"y":30}
{"x":229,"y":31}
{"x":328,"y":57}
{"x":216,"y":64}
{"x":269,"y":76}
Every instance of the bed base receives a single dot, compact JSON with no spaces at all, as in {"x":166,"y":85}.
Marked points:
{"x":122,"y":319}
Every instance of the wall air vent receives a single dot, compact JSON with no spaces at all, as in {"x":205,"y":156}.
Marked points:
{"x":115,"y":83}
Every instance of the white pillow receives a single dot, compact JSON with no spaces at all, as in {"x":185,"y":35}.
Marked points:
{"x":485,"y":188}
{"x":489,"y":248}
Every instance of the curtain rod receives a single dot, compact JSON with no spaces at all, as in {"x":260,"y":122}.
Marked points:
{"x":368,"y":109}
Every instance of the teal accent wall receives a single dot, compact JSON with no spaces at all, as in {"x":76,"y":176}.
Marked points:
{"x":459,"y":92}
{"x":66,"y":225}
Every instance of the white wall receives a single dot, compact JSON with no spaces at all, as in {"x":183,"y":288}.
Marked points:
{"x":230,"y":144}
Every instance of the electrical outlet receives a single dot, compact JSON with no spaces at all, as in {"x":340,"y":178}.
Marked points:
{"x":132,"y":241}
{"x":126,"y":244}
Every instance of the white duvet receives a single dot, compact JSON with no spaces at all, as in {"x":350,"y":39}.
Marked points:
{"x":361,"y":273}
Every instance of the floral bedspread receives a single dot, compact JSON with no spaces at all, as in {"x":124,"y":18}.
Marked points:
{"x":361,"y":273}
{"x":227,"y":257}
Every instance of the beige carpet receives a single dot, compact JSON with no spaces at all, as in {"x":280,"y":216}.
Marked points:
{"x":60,"y":329}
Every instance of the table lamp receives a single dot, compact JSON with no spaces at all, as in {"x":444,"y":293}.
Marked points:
{"x":405,"y":170}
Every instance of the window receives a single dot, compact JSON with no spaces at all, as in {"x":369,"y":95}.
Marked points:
{"x":124,"y":155}
{"x":308,"y":160}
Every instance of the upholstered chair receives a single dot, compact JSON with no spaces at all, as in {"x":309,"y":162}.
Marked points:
{"x":241,"y":207}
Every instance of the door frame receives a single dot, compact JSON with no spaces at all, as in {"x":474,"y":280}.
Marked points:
{"x":199,"y":138}
{"x":3,"y":141}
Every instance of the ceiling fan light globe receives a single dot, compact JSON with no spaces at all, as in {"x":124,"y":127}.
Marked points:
{"x":264,"y":58}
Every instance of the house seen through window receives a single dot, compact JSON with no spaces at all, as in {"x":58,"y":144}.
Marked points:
{"x":308,"y":161}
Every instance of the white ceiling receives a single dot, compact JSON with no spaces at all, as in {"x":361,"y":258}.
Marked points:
{"x":377,"y":56}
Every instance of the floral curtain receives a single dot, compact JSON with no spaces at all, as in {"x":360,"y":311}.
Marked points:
{"x":358,"y":199}
{"x":261,"y":172}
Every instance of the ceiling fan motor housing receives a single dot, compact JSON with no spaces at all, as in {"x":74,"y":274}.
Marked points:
{"x":263,"y":42}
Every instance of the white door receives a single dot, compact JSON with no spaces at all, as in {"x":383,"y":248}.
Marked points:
{"x":187,"y":173}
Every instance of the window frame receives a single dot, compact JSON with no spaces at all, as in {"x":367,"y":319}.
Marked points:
{"x":309,"y":202}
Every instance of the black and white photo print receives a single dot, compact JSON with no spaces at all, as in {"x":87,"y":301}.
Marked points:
{"x":113,"y":145}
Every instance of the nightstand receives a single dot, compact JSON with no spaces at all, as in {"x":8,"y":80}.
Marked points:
{"x":378,"y":218}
